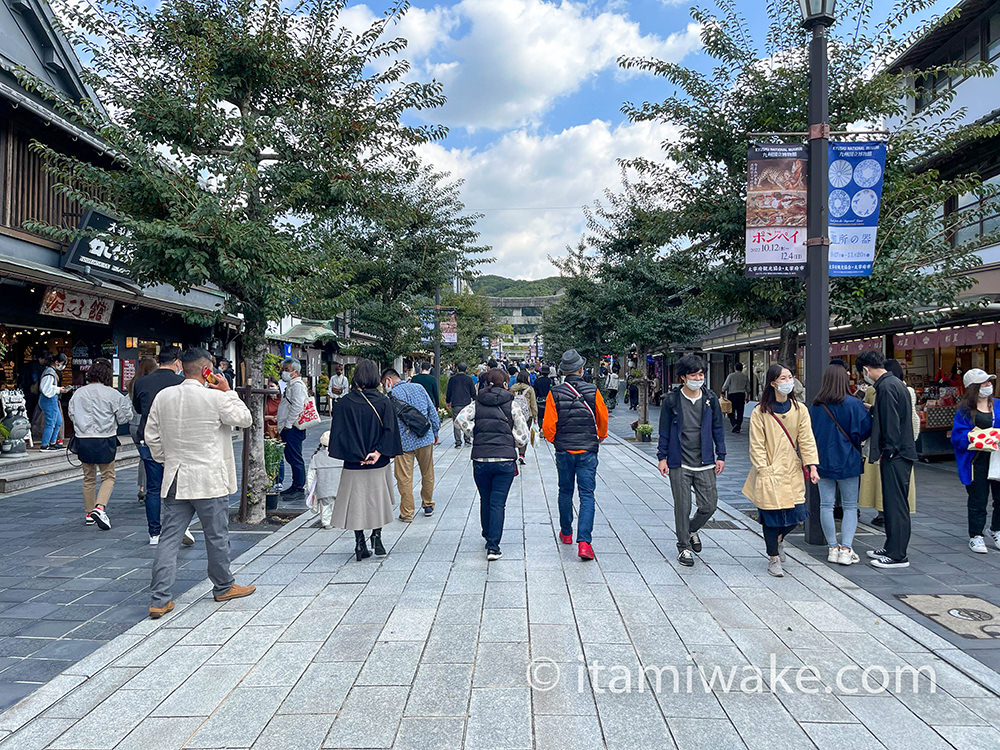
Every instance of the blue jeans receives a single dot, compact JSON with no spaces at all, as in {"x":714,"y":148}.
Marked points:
{"x":53,"y":418}
{"x":493,"y":480}
{"x":293,"y":438}
{"x":580,"y":468}
{"x":154,"y":486}
{"x":849,"y":489}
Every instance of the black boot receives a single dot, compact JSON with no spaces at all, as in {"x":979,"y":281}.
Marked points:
{"x":361,"y":550}
{"x":377,"y":542}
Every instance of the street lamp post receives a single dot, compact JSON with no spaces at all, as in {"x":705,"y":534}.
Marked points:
{"x":817,"y":16}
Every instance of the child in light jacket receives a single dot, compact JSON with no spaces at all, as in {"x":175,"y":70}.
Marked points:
{"x":321,"y":481}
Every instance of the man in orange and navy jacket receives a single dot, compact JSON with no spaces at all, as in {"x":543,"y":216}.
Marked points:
{"x":576,"y":421}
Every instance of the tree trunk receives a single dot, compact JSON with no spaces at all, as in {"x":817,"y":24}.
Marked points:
{"x":640,"y":357}
{"x":256,"y":480}
{"x":788,"y":346}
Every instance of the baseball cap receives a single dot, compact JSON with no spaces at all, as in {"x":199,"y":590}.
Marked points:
{"x":975,"y":375}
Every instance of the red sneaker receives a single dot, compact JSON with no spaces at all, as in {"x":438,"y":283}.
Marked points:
{"x":565,"y":538}
{"x":585,"y":551}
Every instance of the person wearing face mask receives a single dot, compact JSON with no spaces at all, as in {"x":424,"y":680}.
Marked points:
{"x":144,"y":390}
{"x":781,"y":444}
{"x":892,"y":447}
{"x":692,"y":450}
{"x":293,"y":403}
{"x":979,"y":410}
{"x":49,"y":391}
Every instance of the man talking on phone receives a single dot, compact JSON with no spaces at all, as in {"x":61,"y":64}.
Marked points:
{"x":189,"y":431}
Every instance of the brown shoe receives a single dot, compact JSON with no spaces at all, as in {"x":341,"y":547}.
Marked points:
{"x":155,"y":613}
{"x":236,"y":592}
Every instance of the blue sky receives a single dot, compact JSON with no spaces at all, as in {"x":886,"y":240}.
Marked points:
{"x":534,"y":96}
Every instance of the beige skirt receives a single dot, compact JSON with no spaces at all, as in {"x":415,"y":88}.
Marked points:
{"x":364,"y":499}
{"x":870,"y":493}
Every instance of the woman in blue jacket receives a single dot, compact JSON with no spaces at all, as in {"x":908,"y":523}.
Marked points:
{"x":840,"y":425}
{"x":978,"y":410}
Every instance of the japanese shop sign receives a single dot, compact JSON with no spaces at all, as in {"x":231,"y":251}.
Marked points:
{"x":776,"y":211}
{"x":95,"y":254}
{"x":449,"y":329}
{"x":855,"y":197}
{"x":86,"y":308}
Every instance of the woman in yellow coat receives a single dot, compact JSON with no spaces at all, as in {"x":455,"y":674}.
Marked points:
{"x":780,"y":432}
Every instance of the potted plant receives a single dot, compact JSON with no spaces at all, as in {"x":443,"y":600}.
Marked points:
{"x":444,"y":414}
{"x":274,"y":454}
{"x":644,"y":432}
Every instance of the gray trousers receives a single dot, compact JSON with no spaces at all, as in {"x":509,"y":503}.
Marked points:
{"x":459,"y":435}
{"x":682,"y":481}
{"x":175,"y":517}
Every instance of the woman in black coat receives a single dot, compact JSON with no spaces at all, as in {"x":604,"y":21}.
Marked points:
{"x":364,"y":434}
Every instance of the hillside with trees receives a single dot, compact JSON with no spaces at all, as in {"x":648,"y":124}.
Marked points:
{"x":492,"y":285}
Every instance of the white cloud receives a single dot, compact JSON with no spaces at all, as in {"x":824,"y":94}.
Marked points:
{"x":543,"y":174}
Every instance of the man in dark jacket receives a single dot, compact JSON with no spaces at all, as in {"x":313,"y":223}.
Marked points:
{"x":576,"y":421}
{"x":461,"y":392}
{"x":429,"y":382}
{"x":893,"y":448}
{"x":692,"y":444}
{"x":143,"y":392}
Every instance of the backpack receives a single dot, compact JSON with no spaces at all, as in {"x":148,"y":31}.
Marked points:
{"x":412,"y":418}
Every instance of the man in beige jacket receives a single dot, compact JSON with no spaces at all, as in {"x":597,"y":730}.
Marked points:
{"x":189,"y":431}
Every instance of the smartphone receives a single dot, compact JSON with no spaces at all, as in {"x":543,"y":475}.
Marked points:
{"x":208,"y":375}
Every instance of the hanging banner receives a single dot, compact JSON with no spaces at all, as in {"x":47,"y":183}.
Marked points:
{"x":776,"y":211}
{"x":449,"y":328}
{"x":855,"y":197}
{"x":65,"y":303}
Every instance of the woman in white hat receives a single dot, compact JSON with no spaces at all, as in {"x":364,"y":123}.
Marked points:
{"x":977,"y":411}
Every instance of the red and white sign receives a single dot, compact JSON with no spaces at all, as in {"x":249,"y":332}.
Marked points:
{"x":63,"y":303}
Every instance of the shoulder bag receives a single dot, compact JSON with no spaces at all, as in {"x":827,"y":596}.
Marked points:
{"x":412,"y":418}
{"x":805,"y":469}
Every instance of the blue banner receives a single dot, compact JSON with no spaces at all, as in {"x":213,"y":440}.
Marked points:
{"x":855,"y":198}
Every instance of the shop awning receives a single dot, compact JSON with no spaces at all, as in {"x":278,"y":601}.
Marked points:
{"x":307,"y":332}
{"x":154,"y":298}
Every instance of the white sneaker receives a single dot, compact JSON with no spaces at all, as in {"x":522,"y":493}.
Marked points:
{"x":848,"y":556}
{"x":833,"y":554}
{"x":977,"y":544}
{"x":154,"y":540}
{"x":188,"y":537}
{"x":995,"y":535}
{"x":101,"y":518}
{"x":774,"y":567}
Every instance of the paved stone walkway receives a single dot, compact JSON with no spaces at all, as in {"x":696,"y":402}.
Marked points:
{"x":66,"y":589}
{"x":431,"y":646}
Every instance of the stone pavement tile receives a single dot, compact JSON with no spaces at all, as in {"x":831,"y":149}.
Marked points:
{"x":349,"y":642}
{"x":109,"y":722}
{"x":67,"y":648}
{"x":216,"y":629}
{"x":732,"y":613}
{"x":451,"y":643}
{"x":294,"y":733}
{"x":506,"y":595}
{"x":150,"y":648}
{"x":91,"y":693}
{"x":162,"y":733}
{"x":240,"y":719}
{"x":892,"y":723}
{"x":556,"y":642}
{"x":971,"y":738}
{"x":171,"y":669}
{"x":35,"y":735}
{"x":370,"y":608}
{"x":281,"y":610}
{"x":313,"y":625}
{"x":40,"y":700}
{"x":631,"y":720}
{"x":947,"y":678}
{"x":698,"y":628}
{"x":19,"y":646}
{"x":391,"y":663}
{"x":704,"y":734}
{"x":509,"y":625}
{"x":440,"y":690}
{"x":499,"y":719}
{"x":248,"y":645}
{"x":821,"y":707}
{"x":562,"y":689}
{"x":938,"y":709}
{"x":759,"y":646}
{"x":591,"y":596}
{"x":282,"y":665}
{"x":369,"y":717}
{"x":322,"y":688}
{"x":429,"y":733}
{"x":841,"y":737}
{"x":561,"y":732}
{"x":987,"y":709}
{"x":601,"y":626}
{"x":552,"y":610}
{"x":759,"y":718}
{"x":407,"y":624}
{"x":34,"y":670}
{"x":501,"y":665}
{"x":202,"y":691}
{"x":460,"y":609}
{"x":190,"y":616}
{"x":824,"y":614}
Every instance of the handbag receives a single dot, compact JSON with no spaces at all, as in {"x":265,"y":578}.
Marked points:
{"x":725,"y":405}
{"x":987,"y":440}
{"x":842,"y":432}
{"x":994,"y":473}
{"x":805,"y":469}
{"x":309,"y":415}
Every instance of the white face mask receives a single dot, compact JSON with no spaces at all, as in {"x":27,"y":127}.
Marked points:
{"x":786,"y":387}
{"x":286,"y":376}
{"x":985,"y":391}
{"x":867,"y":377}
{"x":694,"y":385}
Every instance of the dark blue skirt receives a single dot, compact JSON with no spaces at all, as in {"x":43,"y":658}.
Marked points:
{"x":784,"y":517}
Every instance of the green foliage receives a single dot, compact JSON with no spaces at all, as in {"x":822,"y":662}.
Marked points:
{"x":476,"y":319}
{"x":274,"y":453}
{"x":701,"y":184}
{"x":644,"y":429}
{"x":490,"y":285}
{"x":272,"y":366}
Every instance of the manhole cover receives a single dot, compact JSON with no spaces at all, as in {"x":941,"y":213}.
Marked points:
{"x":963,"y":614}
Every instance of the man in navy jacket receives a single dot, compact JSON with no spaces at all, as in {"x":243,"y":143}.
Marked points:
{"x":693,"y":446}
